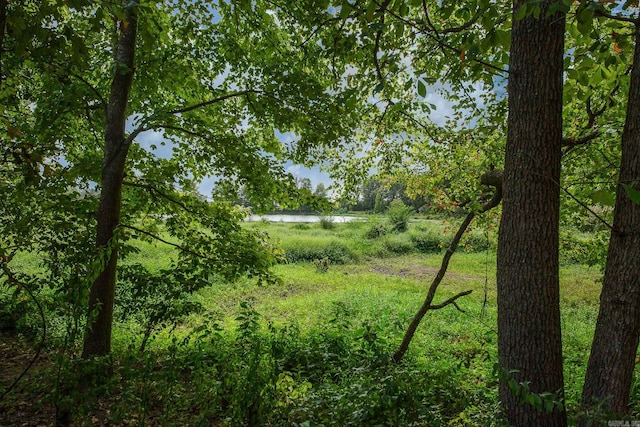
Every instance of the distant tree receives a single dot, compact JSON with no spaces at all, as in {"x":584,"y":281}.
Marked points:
{"x":379,"y":205}
{"x":321,"y":191}
{"x":305,"y":184}
{"x":368,"y":193}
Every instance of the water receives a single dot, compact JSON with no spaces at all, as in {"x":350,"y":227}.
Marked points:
{"x":302,"y":218}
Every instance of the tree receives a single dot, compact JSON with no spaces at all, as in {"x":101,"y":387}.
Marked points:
{"x":213,"y":83}
{"x":615,"y":344}
{"x":529,"y":337}
{"x":320,"y":191}
{"x":116,"y":147}
{"x":378,"y":205}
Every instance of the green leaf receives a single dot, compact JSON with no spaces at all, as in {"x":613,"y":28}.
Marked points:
{"x":633,"y":194}
{"x":422,"y":89}
{"x":603,"y":197}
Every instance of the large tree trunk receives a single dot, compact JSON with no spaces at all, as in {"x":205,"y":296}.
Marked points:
{"x":98,"y":338}
{"x":615,"y":344}
{"x":529,"y":338}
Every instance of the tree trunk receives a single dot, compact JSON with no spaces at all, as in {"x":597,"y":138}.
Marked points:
{"x":529,"y":338}
{"x":615,"y":344}
{"x":98,"y":338}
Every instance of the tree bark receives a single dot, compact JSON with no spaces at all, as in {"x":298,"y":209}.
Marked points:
{"x":615,"y":344}
{"x":98,"y":337}
{"x":529,"y":338}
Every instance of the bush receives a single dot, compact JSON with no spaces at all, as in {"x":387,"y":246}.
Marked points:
{"x":398,"y":245}
{"x":398,"y":214}
{"x":376,"y":230}
{"x":326,"y":223}
{"x":310,"y":250}
{"x":475,"y":243}
{"x":429,"y":242}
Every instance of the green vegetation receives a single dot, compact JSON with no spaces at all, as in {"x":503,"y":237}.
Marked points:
{"x":313,"y":349}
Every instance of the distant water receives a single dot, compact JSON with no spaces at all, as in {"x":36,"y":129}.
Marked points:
{"x":302,"y":218}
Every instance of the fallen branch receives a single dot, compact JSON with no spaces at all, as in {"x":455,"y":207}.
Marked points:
{"x":492,"y":178}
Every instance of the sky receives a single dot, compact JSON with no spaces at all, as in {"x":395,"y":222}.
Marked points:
{"x":152,"y":141}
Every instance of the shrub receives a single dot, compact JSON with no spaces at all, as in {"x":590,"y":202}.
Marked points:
{"x":376,"y":230}
{"x":326,"y":223}
{"x":310,"y":250}
{"x":429,"y":242}
{"x":398,"y":245}
{"x":475,"y":243}
{"x":398,"y":214}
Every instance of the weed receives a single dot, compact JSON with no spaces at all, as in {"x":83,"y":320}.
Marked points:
{"x":326,"y":223}
{"x":322,"y":265}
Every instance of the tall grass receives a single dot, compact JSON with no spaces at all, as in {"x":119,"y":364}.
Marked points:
{"x":314,"y":349}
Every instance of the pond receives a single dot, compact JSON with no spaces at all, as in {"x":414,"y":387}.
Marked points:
{"x":302,"y":218}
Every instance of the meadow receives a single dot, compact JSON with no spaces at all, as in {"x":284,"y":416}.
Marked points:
{"x":314,"y":349}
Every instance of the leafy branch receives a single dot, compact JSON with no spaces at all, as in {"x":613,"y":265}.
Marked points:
{"x":160,"y":239}
{"x":155,"y":190}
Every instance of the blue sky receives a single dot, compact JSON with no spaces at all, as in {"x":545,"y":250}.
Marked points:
{"x":154,"y":142}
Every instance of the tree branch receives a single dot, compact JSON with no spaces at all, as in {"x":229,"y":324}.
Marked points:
{"x":451,"y":300}
{"x":212,"y":101}
{"x":570,"y":143}
{"x":602,"y":14}
{"x":160,"y":239}
{"x":103,"y":102}
{"x":492,"y":178}
{"x":153,"y":189}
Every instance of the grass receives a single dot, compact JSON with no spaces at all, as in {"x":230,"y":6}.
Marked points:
{"x":314,"y":350}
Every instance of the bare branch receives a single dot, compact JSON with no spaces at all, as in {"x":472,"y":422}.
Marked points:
{"x":451,"y":300}
{"x":591,"y":211}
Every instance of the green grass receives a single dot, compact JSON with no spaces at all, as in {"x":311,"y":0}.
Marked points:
{"x":315,"y":348}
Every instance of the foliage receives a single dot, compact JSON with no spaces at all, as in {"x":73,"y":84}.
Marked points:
{"x":398,"y":245}
{"x":399,"y":214}
{"x":331,"y":249}
{"x":315,"y":347}
{"x":376,"y":229}
{"x":429,"y":241}
{"x":326,"y":223}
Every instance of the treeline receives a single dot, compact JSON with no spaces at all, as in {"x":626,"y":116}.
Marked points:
{"x":373,"y":196}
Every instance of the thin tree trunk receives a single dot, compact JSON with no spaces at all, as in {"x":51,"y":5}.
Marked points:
{"x":529,"y":338}
{"x":494,"y":179}
{"x":98,"y":338}
{"x":615,"y":344}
